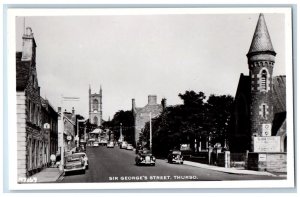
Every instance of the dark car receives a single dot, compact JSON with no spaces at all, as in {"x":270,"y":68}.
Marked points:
{"x":145,"y":157}
{"x":175,"y":156}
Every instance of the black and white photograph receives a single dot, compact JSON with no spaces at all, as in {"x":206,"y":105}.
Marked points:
{"x":151,"y":98}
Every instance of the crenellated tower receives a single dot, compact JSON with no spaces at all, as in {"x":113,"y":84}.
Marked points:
{"x":95,"y":107}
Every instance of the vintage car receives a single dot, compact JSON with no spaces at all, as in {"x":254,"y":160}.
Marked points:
{"x":110,"y":145}
{"x":129,"y":147}
{"x":75,"y":162}
{"x":145,"y":157}
{"x":85,"y":158}
{"x":123,"y":145}
{"x":175,"y":156}
{"x":96,"y":144}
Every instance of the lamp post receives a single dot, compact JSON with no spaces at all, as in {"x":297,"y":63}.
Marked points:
{"x":150,"y":133}
{"x":62,"y":148}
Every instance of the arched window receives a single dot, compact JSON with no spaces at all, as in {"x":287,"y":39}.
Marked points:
{"x":95,"y":104}
{"x":264,"y":80}
{"x":95,"y":120}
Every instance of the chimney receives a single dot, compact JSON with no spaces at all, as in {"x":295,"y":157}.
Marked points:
{"x":73,"y":111}
{"x":133,"y":104}
{"x":164,"y":103}
{"x":152,"y":100}
{"x":28,"y":51}
{"x":58,"y":109}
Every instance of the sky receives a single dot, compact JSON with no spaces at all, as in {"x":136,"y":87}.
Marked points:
{"x":133,"y":56}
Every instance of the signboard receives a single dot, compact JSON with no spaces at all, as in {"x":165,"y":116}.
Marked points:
{"x":266,"y":129}
{"x":267,"y":144}
{"x":262,"y":157}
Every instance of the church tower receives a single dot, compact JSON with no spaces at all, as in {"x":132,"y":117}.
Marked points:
{"x":261,"y":59}
{"x":95,"y":107}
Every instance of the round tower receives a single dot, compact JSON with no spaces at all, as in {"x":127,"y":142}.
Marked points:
{"x":261,"y":59}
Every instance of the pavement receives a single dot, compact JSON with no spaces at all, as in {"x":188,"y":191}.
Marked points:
{"x":47,"y":175}
{"x":232,"y":170}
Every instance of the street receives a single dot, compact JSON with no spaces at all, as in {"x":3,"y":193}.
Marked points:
{"x":118,"y":165}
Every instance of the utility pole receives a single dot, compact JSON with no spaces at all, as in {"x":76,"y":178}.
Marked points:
{"x":150,"y":122}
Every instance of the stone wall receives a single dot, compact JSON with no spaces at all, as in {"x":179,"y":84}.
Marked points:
{"x":272,"y":162}
{"x":21,"y":135}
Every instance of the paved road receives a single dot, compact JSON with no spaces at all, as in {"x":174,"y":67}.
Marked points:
{"x":118,"y":165}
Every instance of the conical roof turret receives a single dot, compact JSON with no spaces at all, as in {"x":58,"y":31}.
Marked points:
{"x":261,"y":41}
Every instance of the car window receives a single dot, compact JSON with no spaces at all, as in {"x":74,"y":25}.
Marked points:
{"x":73,"y":157}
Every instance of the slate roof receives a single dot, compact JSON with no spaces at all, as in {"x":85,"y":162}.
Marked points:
{"x":244,"y":87}
{"x":279,"y":94}
{"x":22,"y":72}
{"x":261,"y":41}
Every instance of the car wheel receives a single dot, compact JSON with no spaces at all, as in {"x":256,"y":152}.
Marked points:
{"x":153,"y":164}
{"x":87,"y":167}
{"x":83,"y":171}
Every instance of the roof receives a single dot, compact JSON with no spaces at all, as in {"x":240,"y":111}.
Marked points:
{"x":22,"y":72}
{"x":244,"y":87}
{"x":279,"y":92}
{"x":261,"y":41}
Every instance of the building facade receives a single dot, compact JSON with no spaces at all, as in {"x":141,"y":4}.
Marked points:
{"x":66,"y":131}
{"x":95,"y":107}
{"x":260,"y":104}
{"x":31,"y":140}
{"x":142,"y":115}
{"x":50,"y":128}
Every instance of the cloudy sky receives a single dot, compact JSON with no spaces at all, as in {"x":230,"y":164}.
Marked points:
{"x":134,"y":56}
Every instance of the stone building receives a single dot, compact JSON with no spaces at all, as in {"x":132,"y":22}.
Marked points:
{"x":49,"y":117}
{"x":142,"y":114}
{"x":95,"y":107}
{"x":30,"y":136}
{"x":67,"y":130}
{"x":260,"y":100}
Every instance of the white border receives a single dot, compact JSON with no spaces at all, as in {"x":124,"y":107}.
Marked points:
{"x":12,"y":127}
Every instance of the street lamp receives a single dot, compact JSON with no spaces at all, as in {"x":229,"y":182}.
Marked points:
{"x":62,"y":148}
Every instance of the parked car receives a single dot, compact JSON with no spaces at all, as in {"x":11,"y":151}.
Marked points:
{"x":74,"y":162}
{"x":95,"y":144}
{"x":85,"y":158}
{"x":145,"y":157}
{"x":175,"y":156}
{"x":110,"y":145}
{"x":124,"y":145}
{"x":129,"y":147}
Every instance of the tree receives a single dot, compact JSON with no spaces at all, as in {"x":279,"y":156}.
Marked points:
{"x":219,"y":113}
{"x":127,"y":120}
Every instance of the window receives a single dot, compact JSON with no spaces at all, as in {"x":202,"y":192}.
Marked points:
{"x":264,"y":80}
{"x":95,"y":120}
{"x":264,"y":111}
{"x":32,"y":112}
{"x":95,"y":104}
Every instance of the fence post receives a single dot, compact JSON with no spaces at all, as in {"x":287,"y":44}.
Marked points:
{"x":246,"y":159}
{"x":227,"y":159}
{"x":209,"y":155}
